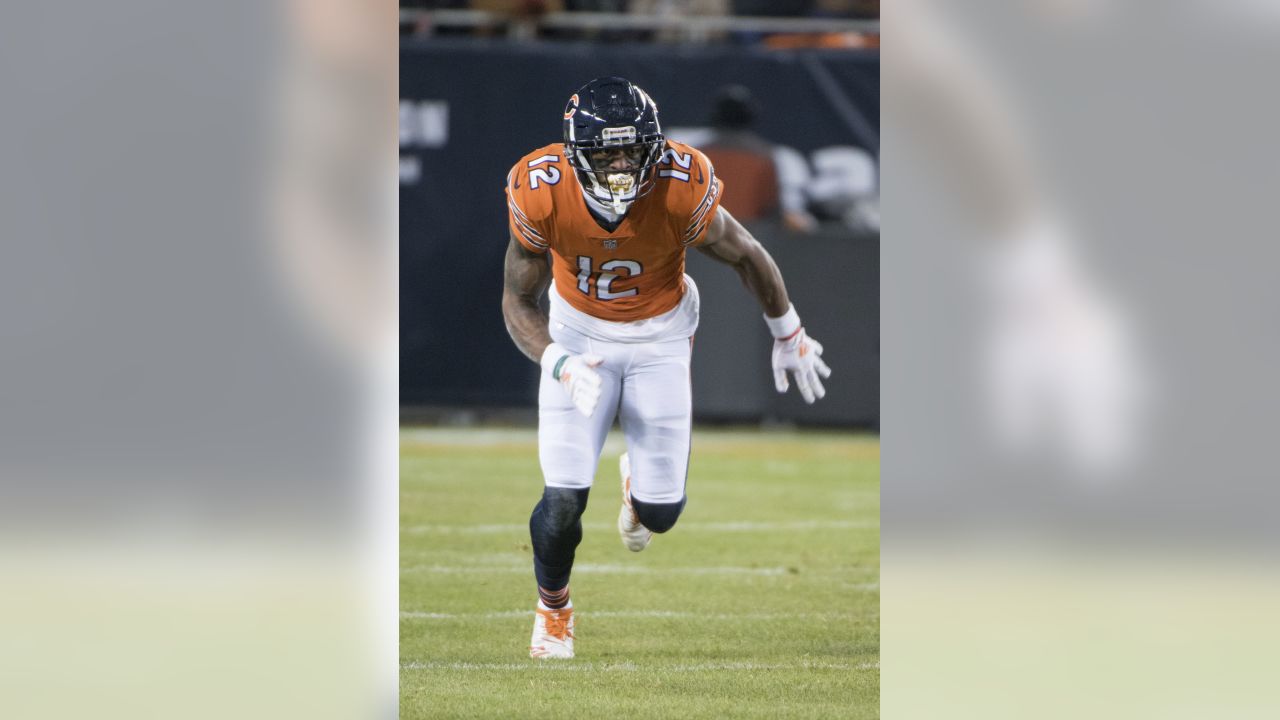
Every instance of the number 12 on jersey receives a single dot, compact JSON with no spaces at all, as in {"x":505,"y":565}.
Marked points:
{"x":603,"y":280}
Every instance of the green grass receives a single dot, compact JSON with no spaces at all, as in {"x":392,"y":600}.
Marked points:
{"x":762,"y":602}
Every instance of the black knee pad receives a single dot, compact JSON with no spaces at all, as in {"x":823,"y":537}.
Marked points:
{"x":562,"y":507}
{"x":555,"y":527}
{"x":658,"y":517}
{"x":556,"y":522}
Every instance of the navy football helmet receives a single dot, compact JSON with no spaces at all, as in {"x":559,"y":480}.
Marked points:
{"x":613,"y":140}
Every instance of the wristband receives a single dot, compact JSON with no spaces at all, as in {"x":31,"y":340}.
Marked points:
{"x":786,"y":326}
{"x":553,"y":358}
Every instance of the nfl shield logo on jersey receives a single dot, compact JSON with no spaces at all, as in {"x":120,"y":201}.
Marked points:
{"x":610,"y":244}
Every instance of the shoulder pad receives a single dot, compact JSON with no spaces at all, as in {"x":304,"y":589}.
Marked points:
{"x":544,"y":166}
{"x":694,"y":190}
{"x":531,"y":197}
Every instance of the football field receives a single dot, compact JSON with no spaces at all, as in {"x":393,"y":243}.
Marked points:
{"x":762,"y":602}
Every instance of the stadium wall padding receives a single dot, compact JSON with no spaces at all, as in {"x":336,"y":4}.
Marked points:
{"x":505,"y":99}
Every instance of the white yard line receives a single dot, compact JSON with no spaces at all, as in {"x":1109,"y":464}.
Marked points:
{"x":598,"y":569}
{"x":741,"y":526}
{"x":489,"y":565}
{"x":615,"y":443}
{"x":571,"y":666}
{"x":662,"y":614}
{"x":603,"y":569}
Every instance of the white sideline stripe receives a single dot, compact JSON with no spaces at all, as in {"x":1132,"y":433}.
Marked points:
{"x":601,"y":569}
{"x":632,"y":667}
{"x":744,"y":526}
{"x":415,"y":615}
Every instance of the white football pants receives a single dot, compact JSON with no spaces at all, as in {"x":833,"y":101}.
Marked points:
{"x":645,"y":385}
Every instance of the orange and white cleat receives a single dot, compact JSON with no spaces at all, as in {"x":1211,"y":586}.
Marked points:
{"x":635,"y":536}
{"x":552,"y":633}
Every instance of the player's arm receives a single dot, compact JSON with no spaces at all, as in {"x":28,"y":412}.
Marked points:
{"x":730,"y":243}
{"x":526,"y":276}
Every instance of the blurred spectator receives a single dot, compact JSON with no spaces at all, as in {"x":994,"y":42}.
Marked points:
{"x":421,"y":24}
{"x":682,"y":9}
{"x":845,"y":8}
{"x":522,"y":15}
{"x":837,"y":9}
{"x":435,"y":4}
{"x":609,"y":6}
{"x":736,"y":151}
{"x":828,"y":41}
{"x":523,"y":20}
{"x":600,"y":35}
{"x":772,"y":8}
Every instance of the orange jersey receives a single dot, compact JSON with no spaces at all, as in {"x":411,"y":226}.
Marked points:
{"x":635,"y":272}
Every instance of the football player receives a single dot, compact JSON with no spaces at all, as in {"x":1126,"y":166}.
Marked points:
{"x":601,"y":223}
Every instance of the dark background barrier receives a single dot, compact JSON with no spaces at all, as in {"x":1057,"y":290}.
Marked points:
{"x":474,"y":108}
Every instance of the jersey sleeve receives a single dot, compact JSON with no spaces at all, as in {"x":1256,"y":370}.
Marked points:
{"x":702,"y":201}
{"x":524,"y":215}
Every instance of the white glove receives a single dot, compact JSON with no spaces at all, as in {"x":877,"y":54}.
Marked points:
{"x":576,"y":374}
{"x":801,"y":355}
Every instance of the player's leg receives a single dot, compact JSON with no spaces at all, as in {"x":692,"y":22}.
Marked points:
{"x":569,"y":447}
{"x":635,"y":536}
{"x":556,"y":530}
{"x":656,"y":408}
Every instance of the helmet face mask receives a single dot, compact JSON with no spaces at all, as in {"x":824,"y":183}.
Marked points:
{"x":613,"y":140}
{"x":619,"y":175}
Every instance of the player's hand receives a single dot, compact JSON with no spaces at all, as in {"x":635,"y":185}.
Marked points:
{"x":577,"y":375}
{"x":581,"y":381}
{"x":802,"y":357}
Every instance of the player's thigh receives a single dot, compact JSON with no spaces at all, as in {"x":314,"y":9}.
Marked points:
{"x":657,"y":410}
{"x":569,"y":443}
